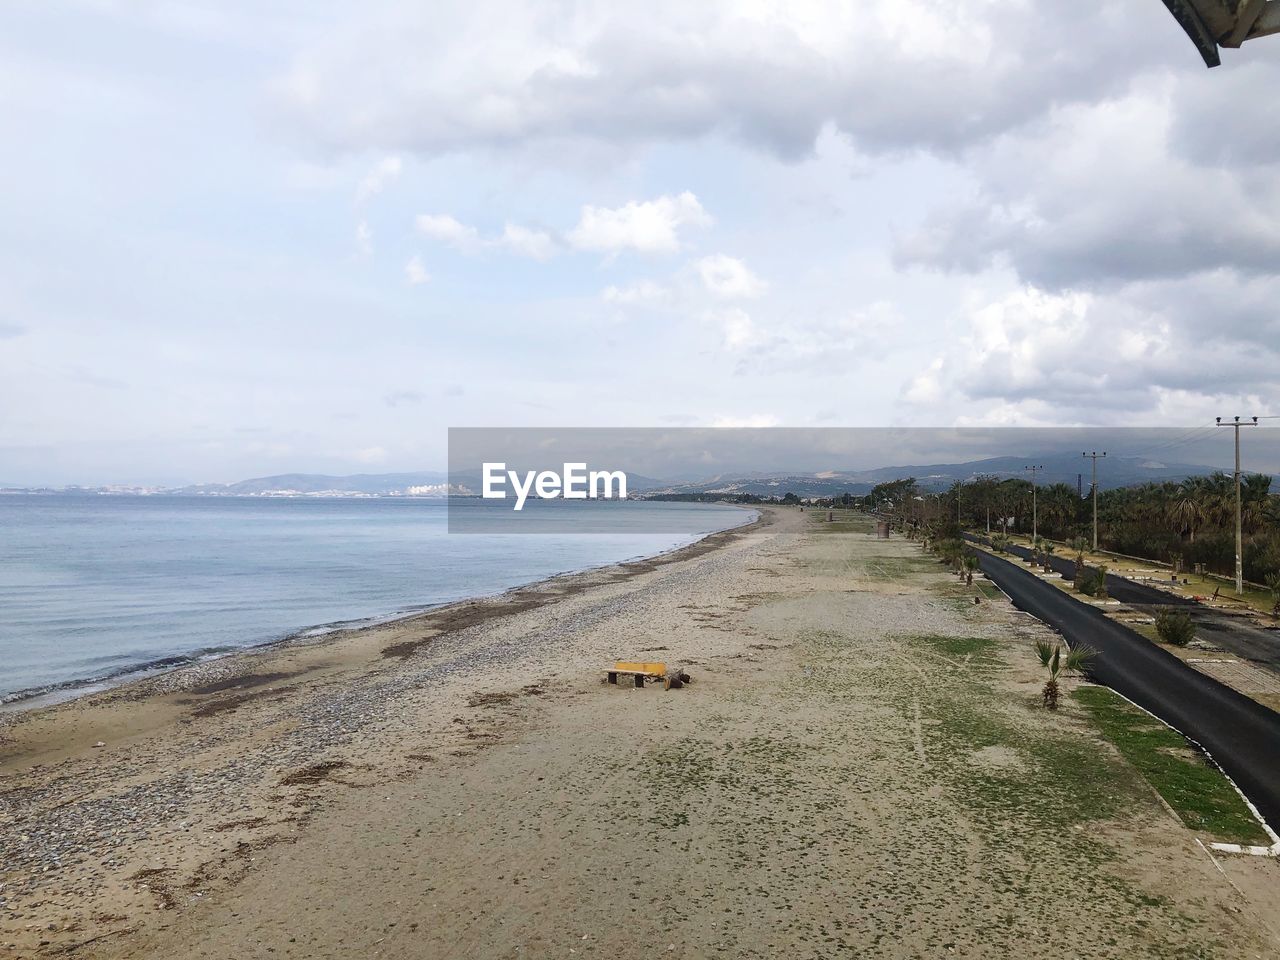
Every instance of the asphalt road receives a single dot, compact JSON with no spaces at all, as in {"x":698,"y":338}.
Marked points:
{"x":1126,"y":591}
{"x":1241,"y":735}
{"x":1221,"y":629}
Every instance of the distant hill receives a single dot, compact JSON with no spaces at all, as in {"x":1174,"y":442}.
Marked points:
{"x":1058,"y":468}
{"x":370,"y":484}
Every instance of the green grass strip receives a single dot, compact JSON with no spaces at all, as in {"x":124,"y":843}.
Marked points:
{"x":1196,"y":790}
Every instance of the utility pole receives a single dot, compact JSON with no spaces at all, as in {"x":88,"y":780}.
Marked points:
{"x":1095,"y":455}
{"x":1033,"y":470}
{"x":1237,"y":423}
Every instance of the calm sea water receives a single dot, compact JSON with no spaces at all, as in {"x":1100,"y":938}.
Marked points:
{"x":95,"y":587}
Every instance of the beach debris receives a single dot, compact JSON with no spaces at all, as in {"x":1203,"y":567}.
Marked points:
{"x":675,"y":679}
{"x":100,"y":743}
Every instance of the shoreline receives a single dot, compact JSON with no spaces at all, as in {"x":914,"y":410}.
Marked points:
{"x":21,"y":702}
{"x":130,"y":802}
{"x":468,"y":783}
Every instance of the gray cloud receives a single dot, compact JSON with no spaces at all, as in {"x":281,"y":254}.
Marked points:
{"x":894,"y":76}
{"x":1106,"y":358}
{"x":1101,"y":195}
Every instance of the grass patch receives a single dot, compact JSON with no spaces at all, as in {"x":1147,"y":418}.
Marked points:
{"x":1196,"y":790}
{"x":899,"y":568}
{"x":979,"y":648}
{"x":987,"y":589}
{"x":842,"y":521}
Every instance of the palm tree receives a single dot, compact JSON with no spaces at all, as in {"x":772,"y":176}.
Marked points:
{"x":1188,"y":505}
{"x":1052,"y":659}
{"x":1254,"y":491}
{"x":970,"y":562}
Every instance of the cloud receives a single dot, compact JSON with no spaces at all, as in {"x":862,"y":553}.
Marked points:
{"x":11,"y":331}
{"x":371,"y":455}
{"x":893,"y":75}
{"x":729,"y":278}
{"x":414,"y":272}
{"x":1092,"y":357}
{"x":524,"y":241}
{"x":650,"y":226}
{"x":442,"y":227}
{"x":1100,"y":195}
{"x":364,"y":239}
{"x":535,"y":244}
{"x":382,"y":173}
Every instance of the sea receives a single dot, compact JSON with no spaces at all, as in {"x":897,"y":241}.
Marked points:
{"x":98,"y":589}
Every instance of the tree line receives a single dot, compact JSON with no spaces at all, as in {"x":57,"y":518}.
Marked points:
{"x":1188,"y":522}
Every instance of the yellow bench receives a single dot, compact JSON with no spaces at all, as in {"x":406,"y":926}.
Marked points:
{"x":638,"y":671}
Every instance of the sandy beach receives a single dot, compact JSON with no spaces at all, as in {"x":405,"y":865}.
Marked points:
{"x":860,"y":768}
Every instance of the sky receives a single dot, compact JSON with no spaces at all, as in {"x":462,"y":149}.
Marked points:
{"x":244,"y":239}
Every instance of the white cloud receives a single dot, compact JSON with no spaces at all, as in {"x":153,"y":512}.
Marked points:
{"x":371,"y":455}
{"x":728,"y":278}
{"x":1035,"y":356}
{"x":381,"y":174}
{"x":649,"y":226}
{"x":524,"y":241}
{"x":442,"y":227}
{"x":535,"y":244}
{"x":414,"y":272}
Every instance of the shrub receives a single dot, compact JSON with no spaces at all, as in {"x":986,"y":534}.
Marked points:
{"x":1092,"y":581}
{"x":1175,"y":627}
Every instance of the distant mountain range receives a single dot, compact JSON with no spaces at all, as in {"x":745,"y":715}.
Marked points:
{"x":1058,"y":468}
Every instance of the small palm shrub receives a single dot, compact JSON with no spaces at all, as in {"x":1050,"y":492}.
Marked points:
{"x":1175,"y":627}
{"x":1078,"y":546}
{"x":1058,"y":664}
